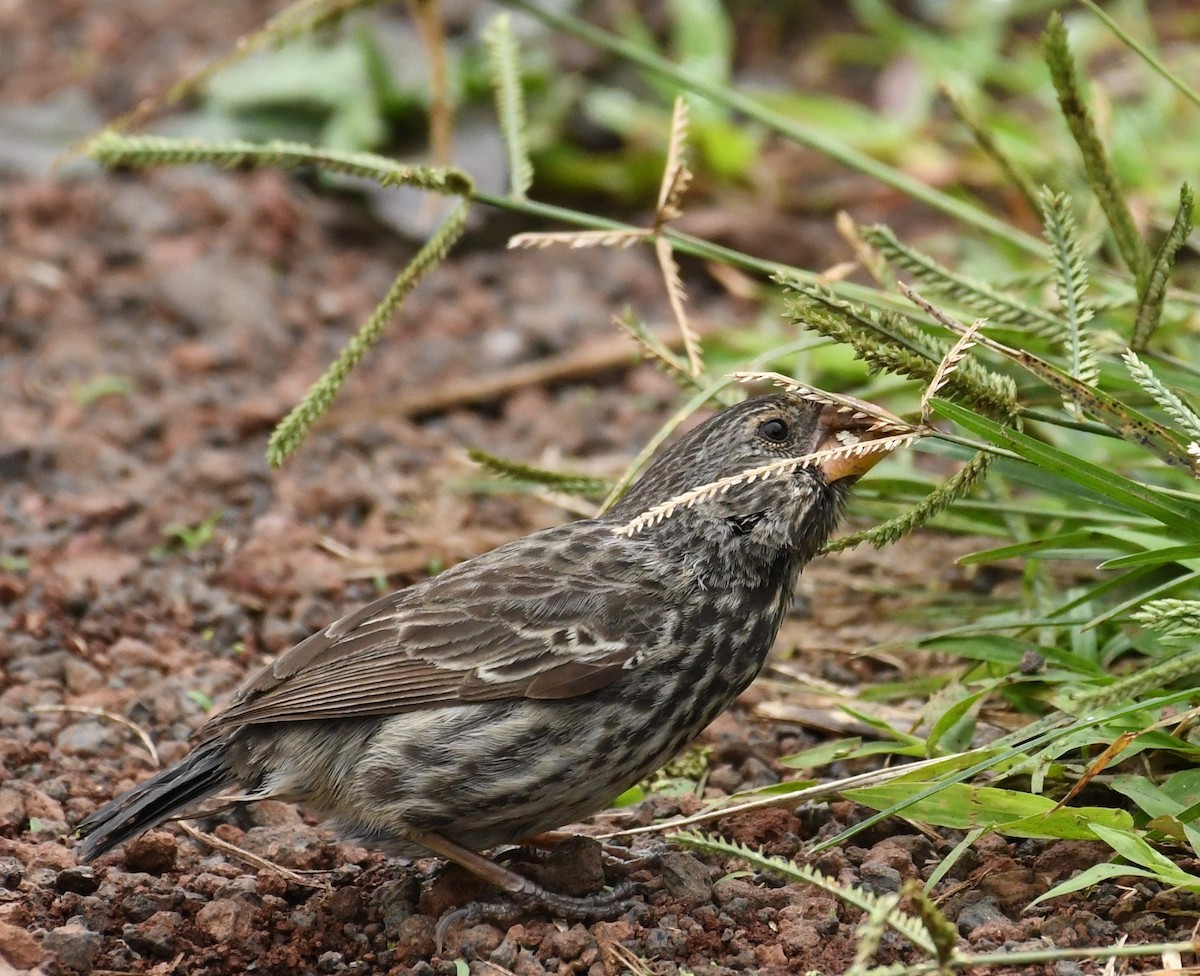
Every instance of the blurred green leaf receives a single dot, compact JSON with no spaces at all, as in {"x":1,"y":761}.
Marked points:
{"x":1013,"y":814}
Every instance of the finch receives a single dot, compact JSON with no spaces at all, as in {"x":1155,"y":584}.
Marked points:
{"x":528,"y":687}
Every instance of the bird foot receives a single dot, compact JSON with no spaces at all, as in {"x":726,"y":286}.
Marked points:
{"x":546,"y":848}
{"x":624,"y":861}
{"x":602,"y":906}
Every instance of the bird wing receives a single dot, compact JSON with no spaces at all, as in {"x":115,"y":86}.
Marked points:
{"x":554,"y":615}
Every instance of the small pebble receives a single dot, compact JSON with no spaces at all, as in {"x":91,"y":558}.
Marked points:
{"x":80,"y":879}
{"x":153,"y":852}
{"x":75,"y":945}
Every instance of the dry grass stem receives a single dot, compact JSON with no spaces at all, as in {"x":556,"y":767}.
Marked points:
{"x":107,"y":716}
{"x":949,"y":321}
{"x":702,"y":493}
{"x":676,"y":176}
{"x":958,"y":328}
{"x":860,"y":409}
{"x":428,"y":20}
{"x":675,"y":182}
{"x":836,"y":272}
{"x":247,"y":857}
{"x":951,"y":361}
{"x":676,"y":179}
{"x":677,"y":296}
{"x":790,"y":800}
{"x":870,"y":259}
{"x":579,"y":238}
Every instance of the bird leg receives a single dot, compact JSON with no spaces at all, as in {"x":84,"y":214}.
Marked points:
{"x":542,"y":847}
{"x":547,"y":839}
{"x":524,"y":895}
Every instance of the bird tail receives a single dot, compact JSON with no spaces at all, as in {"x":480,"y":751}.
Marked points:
{"x":200,"y":774}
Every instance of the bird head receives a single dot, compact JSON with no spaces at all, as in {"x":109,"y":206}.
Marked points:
{"x":786,"y":510}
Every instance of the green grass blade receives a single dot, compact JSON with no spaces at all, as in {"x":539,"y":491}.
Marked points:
{"x":815,"y":137}
{"x":1100,"y":174}
{"x":1154,"y":557}
{"x":1150,"y":307}
{"x":1025,"y":741}
{"x":1071,"y":283}
{"x":1122,"y":492}
{"x":504,"y":56}
{"x":568,"y":482}
{"x":1144,"y":53}
{"x":1074,"y":543}
{"x":1017,"y":814}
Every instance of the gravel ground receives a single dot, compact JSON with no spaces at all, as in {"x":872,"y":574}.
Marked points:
{"x":153,"y":328}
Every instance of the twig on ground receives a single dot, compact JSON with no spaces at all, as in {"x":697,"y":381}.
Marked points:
{"x":101,"y":713}
{"x":245,"y":856}
{"x":783,"y":800}
{"x":586,"y":362}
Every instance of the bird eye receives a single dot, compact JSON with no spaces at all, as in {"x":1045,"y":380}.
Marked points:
{"x":774,"y":430}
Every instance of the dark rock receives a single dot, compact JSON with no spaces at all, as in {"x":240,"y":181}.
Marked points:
{"x":505,"y":954}
{"x":832,"y":862}
{"x":41,"y":877}
{"x":270,"y":883}
{"x":657,"y":943}
{"x":770,"y":955}
{"x":572,"y":943}
{"x":11,"y":872}
{"x":982,"y":912}
{"x":41,"y":804}
{"x":741,"y":898}
{"x":968,"y":860}
{"x":140,"y":906}
{"x":75,"y":945}
{"x":686,"y":879}
{"x":904,"y":858}
{"x":394,"y":913}
{"x":879,"y":879}
{"x":346,"y":904}
{"x":474,"y":942}
{"x":807,"y":923}
{"x":330,"y":962}
{"x":157,"y":936}
{"x":85,"y":737}
{"x":81,"y":879}
{"x":415,"y":937}
{"x":575,"y":867}
{"x":12,"y":808}
{"x":242,"y":888}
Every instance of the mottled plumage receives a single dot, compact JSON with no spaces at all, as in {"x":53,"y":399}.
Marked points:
{"x":529,"y":686}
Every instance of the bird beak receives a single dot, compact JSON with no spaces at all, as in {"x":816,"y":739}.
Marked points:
{"x":841,"y":426}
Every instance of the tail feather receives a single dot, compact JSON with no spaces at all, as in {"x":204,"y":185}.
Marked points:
{"x":199,"y":775}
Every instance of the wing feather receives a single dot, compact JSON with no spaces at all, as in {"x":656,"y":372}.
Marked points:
{"x":567,"y":622}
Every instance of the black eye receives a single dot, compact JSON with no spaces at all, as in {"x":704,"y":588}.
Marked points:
{"x":774,"y":430}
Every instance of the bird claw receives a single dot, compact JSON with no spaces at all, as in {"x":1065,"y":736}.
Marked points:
{"x":624,"y":861}
{"x":602,"y":906}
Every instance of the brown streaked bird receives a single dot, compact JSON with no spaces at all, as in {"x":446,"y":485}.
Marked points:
{"x":526,"y":688}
